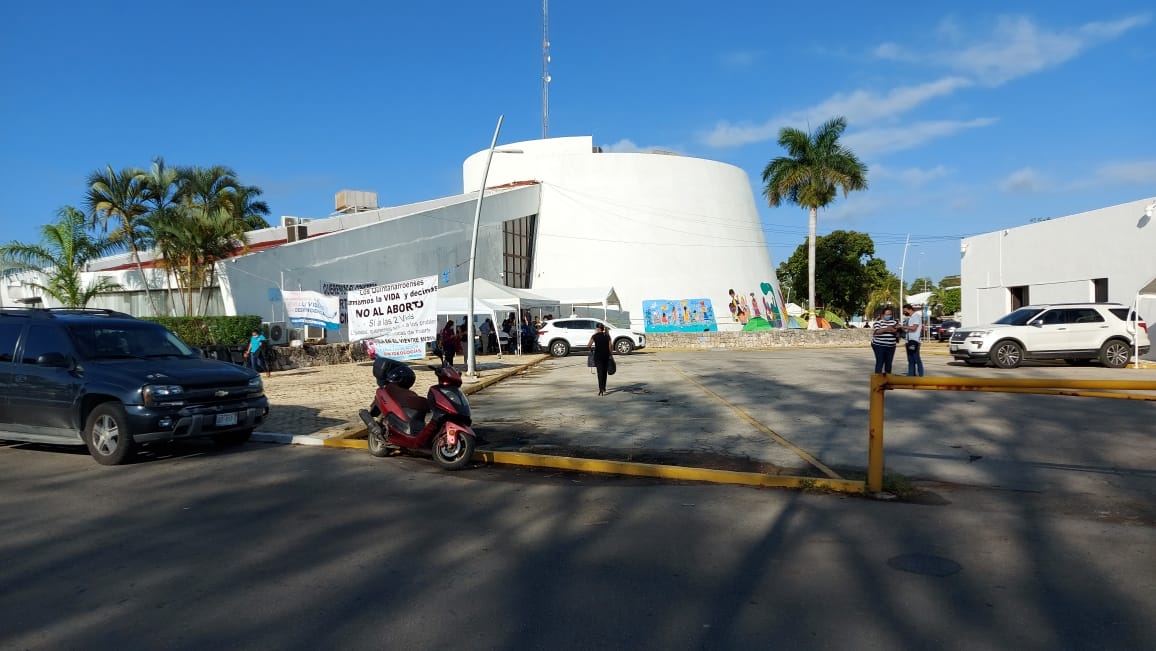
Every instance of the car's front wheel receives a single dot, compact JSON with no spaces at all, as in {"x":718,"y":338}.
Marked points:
{"x":559,"y":348}
{"x":1007,"y":354}
{"x":1115,"y":353}
{"x":107,"y":436}
{"x":624,"y":346}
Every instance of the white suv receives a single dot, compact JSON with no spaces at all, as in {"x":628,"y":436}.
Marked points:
{"x":1071,"y":331}
{"x":560,"y":336}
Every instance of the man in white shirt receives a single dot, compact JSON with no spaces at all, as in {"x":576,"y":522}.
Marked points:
{"x":913,"y":324}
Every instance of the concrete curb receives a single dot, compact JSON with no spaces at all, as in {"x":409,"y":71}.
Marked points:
{"x":286,"y":439}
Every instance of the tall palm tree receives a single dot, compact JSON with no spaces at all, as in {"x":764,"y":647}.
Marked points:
{"x":160,"y":184}
{"x":207,"y":197}
{"x":66,"y":248}
{"x":810,"y":176}
{"x":119,"y":197}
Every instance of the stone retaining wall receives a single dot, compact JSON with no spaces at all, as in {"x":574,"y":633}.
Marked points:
{"x":756,"y":340}
{"x":324,"y":355}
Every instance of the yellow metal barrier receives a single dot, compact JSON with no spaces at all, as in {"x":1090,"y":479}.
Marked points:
{"x":881,"y":382}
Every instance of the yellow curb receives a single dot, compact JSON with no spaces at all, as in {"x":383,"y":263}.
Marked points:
{"x":656,"y":471}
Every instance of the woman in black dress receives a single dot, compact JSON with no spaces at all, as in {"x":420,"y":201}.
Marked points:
{"x":600,"y":346}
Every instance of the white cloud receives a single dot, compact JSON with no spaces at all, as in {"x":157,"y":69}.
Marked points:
{"x":1141,"y":172}
{"x":858,"y":107}
{"x":740,"y":58}
{"x":1023,"y":180}
{"x":627,"y":146}
{"x":912,"y":176}
{"x":1016,"y":47}
{"x":887,"y":139}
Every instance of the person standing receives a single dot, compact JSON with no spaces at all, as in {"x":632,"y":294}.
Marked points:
{"x":599,"y":345}
{"x":256,"y":358}
{"x":913,"y":327}
{"x":485,"y":330}
{"x":449,"y":343}
{"x":883,"y":340}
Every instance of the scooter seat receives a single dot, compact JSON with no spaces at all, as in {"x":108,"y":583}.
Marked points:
{"x":409,"y":400}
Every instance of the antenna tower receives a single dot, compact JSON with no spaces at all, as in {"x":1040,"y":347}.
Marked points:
{"x":545,"y":69}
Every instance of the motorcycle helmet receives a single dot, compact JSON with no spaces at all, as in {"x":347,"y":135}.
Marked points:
{"x":401,"y":375}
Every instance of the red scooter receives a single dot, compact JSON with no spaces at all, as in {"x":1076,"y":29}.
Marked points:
{"x":397,"y":418}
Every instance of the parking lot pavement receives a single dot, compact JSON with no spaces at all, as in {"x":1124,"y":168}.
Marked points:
{"x":819,"y":400}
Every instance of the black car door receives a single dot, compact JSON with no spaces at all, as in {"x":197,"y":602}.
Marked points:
{"x":9,"y":335}
{"x":43,"y":396}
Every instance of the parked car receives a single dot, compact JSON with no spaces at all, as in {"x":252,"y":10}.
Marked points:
{"x":942,"y":330}
{"x":1072,"y":332}
{"x":111,"y":382}
{"x":561,"y":336}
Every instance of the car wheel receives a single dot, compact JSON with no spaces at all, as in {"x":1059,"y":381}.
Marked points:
{"x":229,"y":439}
{"x":1007,"y":354}
{"x":559,"y":348}
{"x":1115,"y":353}
{"x":107,"y":436}
{"x":624,"y":346}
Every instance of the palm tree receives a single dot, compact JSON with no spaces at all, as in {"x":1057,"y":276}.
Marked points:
{"x":160,"y":183}
{"x":119,"y":196}
{"x":207,"y":227}
{"x":246,"y":208}
{"x":66,"y":248}
{"x":810,"y":176}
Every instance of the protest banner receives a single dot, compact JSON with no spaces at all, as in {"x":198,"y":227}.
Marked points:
{"x":311,"y":309}
{"x":395,"y":351}
{"x":397,"y":313}
{"x":340,"y":290}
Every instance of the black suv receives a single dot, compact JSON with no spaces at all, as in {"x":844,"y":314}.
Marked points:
{"x":111,"y":382}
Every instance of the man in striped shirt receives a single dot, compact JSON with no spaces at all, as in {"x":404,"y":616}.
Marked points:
{"x":883,"y":340}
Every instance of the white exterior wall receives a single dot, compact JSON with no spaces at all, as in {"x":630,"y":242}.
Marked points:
{"x":653,"y":226}
{"x":1058,"y":259}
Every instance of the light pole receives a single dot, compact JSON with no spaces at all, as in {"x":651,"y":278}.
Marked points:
{"x":471,"y":352}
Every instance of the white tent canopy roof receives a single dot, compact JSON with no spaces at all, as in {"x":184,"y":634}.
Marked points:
{"x":454,"y":305}
{"x":919,"y":299}
{"x":1149,"y":289}
{"x":604,"y":296}
{"x":494,"y":293}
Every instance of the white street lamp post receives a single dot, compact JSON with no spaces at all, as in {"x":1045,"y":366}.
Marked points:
{"x":471,"y":351}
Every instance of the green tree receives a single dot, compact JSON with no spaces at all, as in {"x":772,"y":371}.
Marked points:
{"x":246,"y":208}
{"x":949,"y":295}
{"x":810,"y":176}
{"x":119,"y":197}
{"x":65,"y":250}
{"x":883,"y":287}
{"x":847,"y":270}
{"x":207,"y":226}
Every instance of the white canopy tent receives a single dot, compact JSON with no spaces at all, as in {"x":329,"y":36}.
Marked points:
{"x":493,"y":294}
{"x":1147,"y":291}
{"x":582,"y":296}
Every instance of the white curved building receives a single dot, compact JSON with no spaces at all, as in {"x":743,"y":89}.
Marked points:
{"x":665,"y":231}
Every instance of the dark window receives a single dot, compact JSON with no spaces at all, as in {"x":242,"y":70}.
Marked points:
{"x":1084,"y":315}
{"x":45,"y":339}
{"x":1100,"y":290}
{"x":9,"y":333}
{"x":1054,"y":317}
{"x":1124,"y":313}
{"x":1019,"y":317}
{"x":1019,"y":297}
{"x":518,"y":251}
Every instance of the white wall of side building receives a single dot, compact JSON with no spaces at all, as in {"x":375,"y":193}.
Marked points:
{"x":654,"y":226}
{"x":1058,"y":261}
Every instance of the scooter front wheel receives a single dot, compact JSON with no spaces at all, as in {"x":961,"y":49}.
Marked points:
{"x":376,"y":439}
{"x":453,"y":456}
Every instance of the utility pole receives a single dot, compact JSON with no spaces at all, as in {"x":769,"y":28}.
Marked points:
{"x":903,"y":264}
{"x":545,"y":69}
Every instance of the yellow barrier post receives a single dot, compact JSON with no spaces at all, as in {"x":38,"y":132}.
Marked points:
{"x":875,"y":445}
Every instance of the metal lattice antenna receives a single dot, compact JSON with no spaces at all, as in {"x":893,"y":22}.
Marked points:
{"x":545,"y":69}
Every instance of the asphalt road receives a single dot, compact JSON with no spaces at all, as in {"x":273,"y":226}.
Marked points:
{"x":284,"y":547}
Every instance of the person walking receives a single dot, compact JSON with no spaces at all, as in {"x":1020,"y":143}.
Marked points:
{"x":449,"y":343}
{"x":913,"y":329}
{"x":485,"y":330}
{"x":599,"y":346}
{"x":256,"y":358}
{"x":883,"y":340}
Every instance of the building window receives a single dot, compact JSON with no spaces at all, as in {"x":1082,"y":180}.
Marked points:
{"x":518,"y":251}
{"x":1100,"y":290}
{"x":1019,"y":297}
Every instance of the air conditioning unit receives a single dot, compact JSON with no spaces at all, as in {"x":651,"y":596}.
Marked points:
{"x":296,"y":233}
{"x":277,"y":332}
{"x":314,"y":333}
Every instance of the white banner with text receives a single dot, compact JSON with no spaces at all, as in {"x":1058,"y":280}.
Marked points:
{"x":405,"y":312}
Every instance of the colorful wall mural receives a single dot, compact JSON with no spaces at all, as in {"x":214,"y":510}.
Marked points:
{"x":678,"y":315}
{"x":761,"y":310}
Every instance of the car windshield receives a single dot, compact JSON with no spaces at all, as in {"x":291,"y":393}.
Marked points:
{"x":1019,"y":317}
{"x":126,"y":340}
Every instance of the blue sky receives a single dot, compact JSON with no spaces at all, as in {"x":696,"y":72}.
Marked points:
{"x":971,"y":117}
